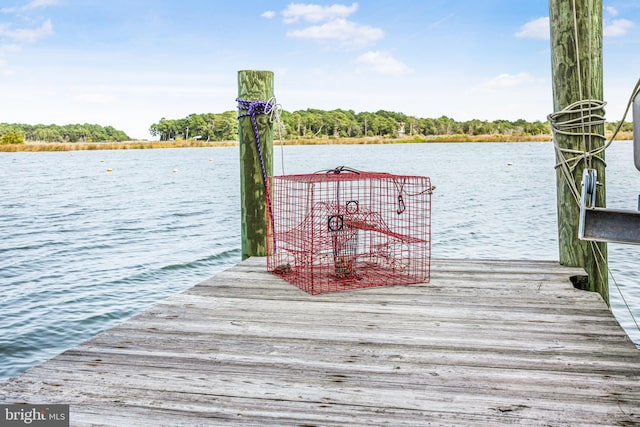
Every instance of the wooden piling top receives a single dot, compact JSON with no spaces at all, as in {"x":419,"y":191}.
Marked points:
{"x":485,"y":343}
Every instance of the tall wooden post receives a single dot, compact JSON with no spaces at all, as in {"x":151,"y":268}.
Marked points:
{"x":254,"y":86}
{"x":576,"y":62}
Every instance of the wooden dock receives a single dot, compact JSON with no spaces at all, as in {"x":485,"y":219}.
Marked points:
{"x":485,"y":343}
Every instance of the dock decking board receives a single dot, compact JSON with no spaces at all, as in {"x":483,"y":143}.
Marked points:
{"x":485,"y":343}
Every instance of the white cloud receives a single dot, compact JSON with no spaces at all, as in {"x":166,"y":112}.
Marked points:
{"x":27,"y":35}
{"x":96,"y":98}
{"x":11,"y":47}
{"x":617,"y":27}
{"x":331,"y":25}
{"x":506,"y":81}
{"x":348,"y":33}
{"x":316,"y":13}
{"x":34,"y":4}
{"x":384,"y":63}
{"x":535,"y":29}
{"x":5,"y":69}
{"x":611,"y":10}
{"x":40,"y":3}
{"x":268,"y":14}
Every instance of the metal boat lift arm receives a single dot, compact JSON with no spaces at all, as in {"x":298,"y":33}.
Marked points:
{"x":610,"y":225}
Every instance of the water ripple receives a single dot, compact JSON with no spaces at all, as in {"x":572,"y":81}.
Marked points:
{"x":83,"y":249}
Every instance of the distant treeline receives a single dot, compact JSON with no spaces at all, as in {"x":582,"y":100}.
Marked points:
{"x":313,"y":123}
{"x":12,"y":132}
{"x":208,"y":126}
{"x":309,"y":124}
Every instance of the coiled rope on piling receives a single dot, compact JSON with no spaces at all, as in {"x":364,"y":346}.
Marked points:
{"x":253,"y":109}
{"x":579,"y":119}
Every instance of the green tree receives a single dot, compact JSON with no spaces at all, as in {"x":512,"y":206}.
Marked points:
{"x":226,"y":126}
{"x":445,"y":126}
{"x":165,"y":129}
{"x":12,"y":137}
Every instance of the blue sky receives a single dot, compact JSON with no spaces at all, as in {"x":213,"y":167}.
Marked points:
{"x":128,"y":63}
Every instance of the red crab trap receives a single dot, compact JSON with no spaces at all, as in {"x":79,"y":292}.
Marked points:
{"x":346,"y":229}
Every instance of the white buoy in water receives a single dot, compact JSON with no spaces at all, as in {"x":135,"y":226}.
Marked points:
{"x":509,"y":164}
{"x":175,"y":170}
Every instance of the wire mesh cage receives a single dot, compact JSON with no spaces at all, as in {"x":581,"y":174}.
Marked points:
{"x":346,"y":229}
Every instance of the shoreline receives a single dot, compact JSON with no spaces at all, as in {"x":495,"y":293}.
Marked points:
{"x":138,"y":145}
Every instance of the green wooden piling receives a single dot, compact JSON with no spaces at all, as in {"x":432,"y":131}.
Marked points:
{"x":577,"y":70}
{"x":254,"y":86}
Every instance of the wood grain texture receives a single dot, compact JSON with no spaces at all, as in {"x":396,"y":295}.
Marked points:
{"x":576,"y":63}
{"x":485,"y":343}
{"x":254,"y":86}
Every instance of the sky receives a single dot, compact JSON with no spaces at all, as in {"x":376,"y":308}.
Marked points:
{"x":129,"y":63}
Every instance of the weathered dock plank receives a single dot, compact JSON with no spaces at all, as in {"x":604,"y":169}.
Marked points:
{"x":485,"y":343}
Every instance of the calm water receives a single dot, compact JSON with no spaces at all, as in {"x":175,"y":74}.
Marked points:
{"x":82,"y":249}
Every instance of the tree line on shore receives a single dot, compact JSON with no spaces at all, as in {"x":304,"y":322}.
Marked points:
{"x":313,"y":124}
{"x":16,"y":133}
{"x":306,"y":124}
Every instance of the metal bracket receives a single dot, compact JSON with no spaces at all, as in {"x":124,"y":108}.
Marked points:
{"x":601,"y":224}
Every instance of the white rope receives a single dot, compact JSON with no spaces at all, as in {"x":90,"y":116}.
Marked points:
{"x":274,"y":117}
{"x":574,"y":120}
{"x":579,"y":74}
{"x":565,"y":122}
